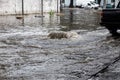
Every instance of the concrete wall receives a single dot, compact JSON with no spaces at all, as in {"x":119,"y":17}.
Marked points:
{"x":30,"y":6}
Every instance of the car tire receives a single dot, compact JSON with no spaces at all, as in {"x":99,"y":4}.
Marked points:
{"x":112,"y":30}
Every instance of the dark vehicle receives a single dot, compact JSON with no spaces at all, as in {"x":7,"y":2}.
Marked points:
{"x":111,"y":19}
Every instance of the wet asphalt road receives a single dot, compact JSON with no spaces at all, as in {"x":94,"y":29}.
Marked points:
{"x":26,"y":53}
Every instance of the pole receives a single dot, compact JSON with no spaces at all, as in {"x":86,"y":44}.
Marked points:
{"x":104,"y":6}
{"x":60,"y":5}
{"x":22,"y":7}
{"x":42,"y":7}
{"x":57,"y":6}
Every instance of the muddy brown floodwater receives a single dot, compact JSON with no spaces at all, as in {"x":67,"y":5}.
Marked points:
{"x":26,"y":53}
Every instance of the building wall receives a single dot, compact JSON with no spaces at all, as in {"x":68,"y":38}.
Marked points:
{"x":30,"y":6}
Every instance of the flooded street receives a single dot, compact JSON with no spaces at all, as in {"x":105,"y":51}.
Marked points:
{"x":26,"y":53}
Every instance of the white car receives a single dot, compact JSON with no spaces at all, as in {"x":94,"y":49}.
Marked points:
{"x":92,"y":5}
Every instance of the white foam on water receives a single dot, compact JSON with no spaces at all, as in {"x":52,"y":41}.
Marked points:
{"x":25,"y":31}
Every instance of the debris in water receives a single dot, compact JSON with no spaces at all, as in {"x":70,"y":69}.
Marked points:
{"x":19,"y":17}
{"x":59,"y":35}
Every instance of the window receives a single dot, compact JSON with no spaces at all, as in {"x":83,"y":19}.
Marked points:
{"x":112,"y":0}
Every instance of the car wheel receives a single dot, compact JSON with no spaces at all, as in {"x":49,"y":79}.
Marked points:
{"x":112,"y":30}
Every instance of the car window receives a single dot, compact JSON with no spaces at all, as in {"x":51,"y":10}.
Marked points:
{"x":89,"y":4}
